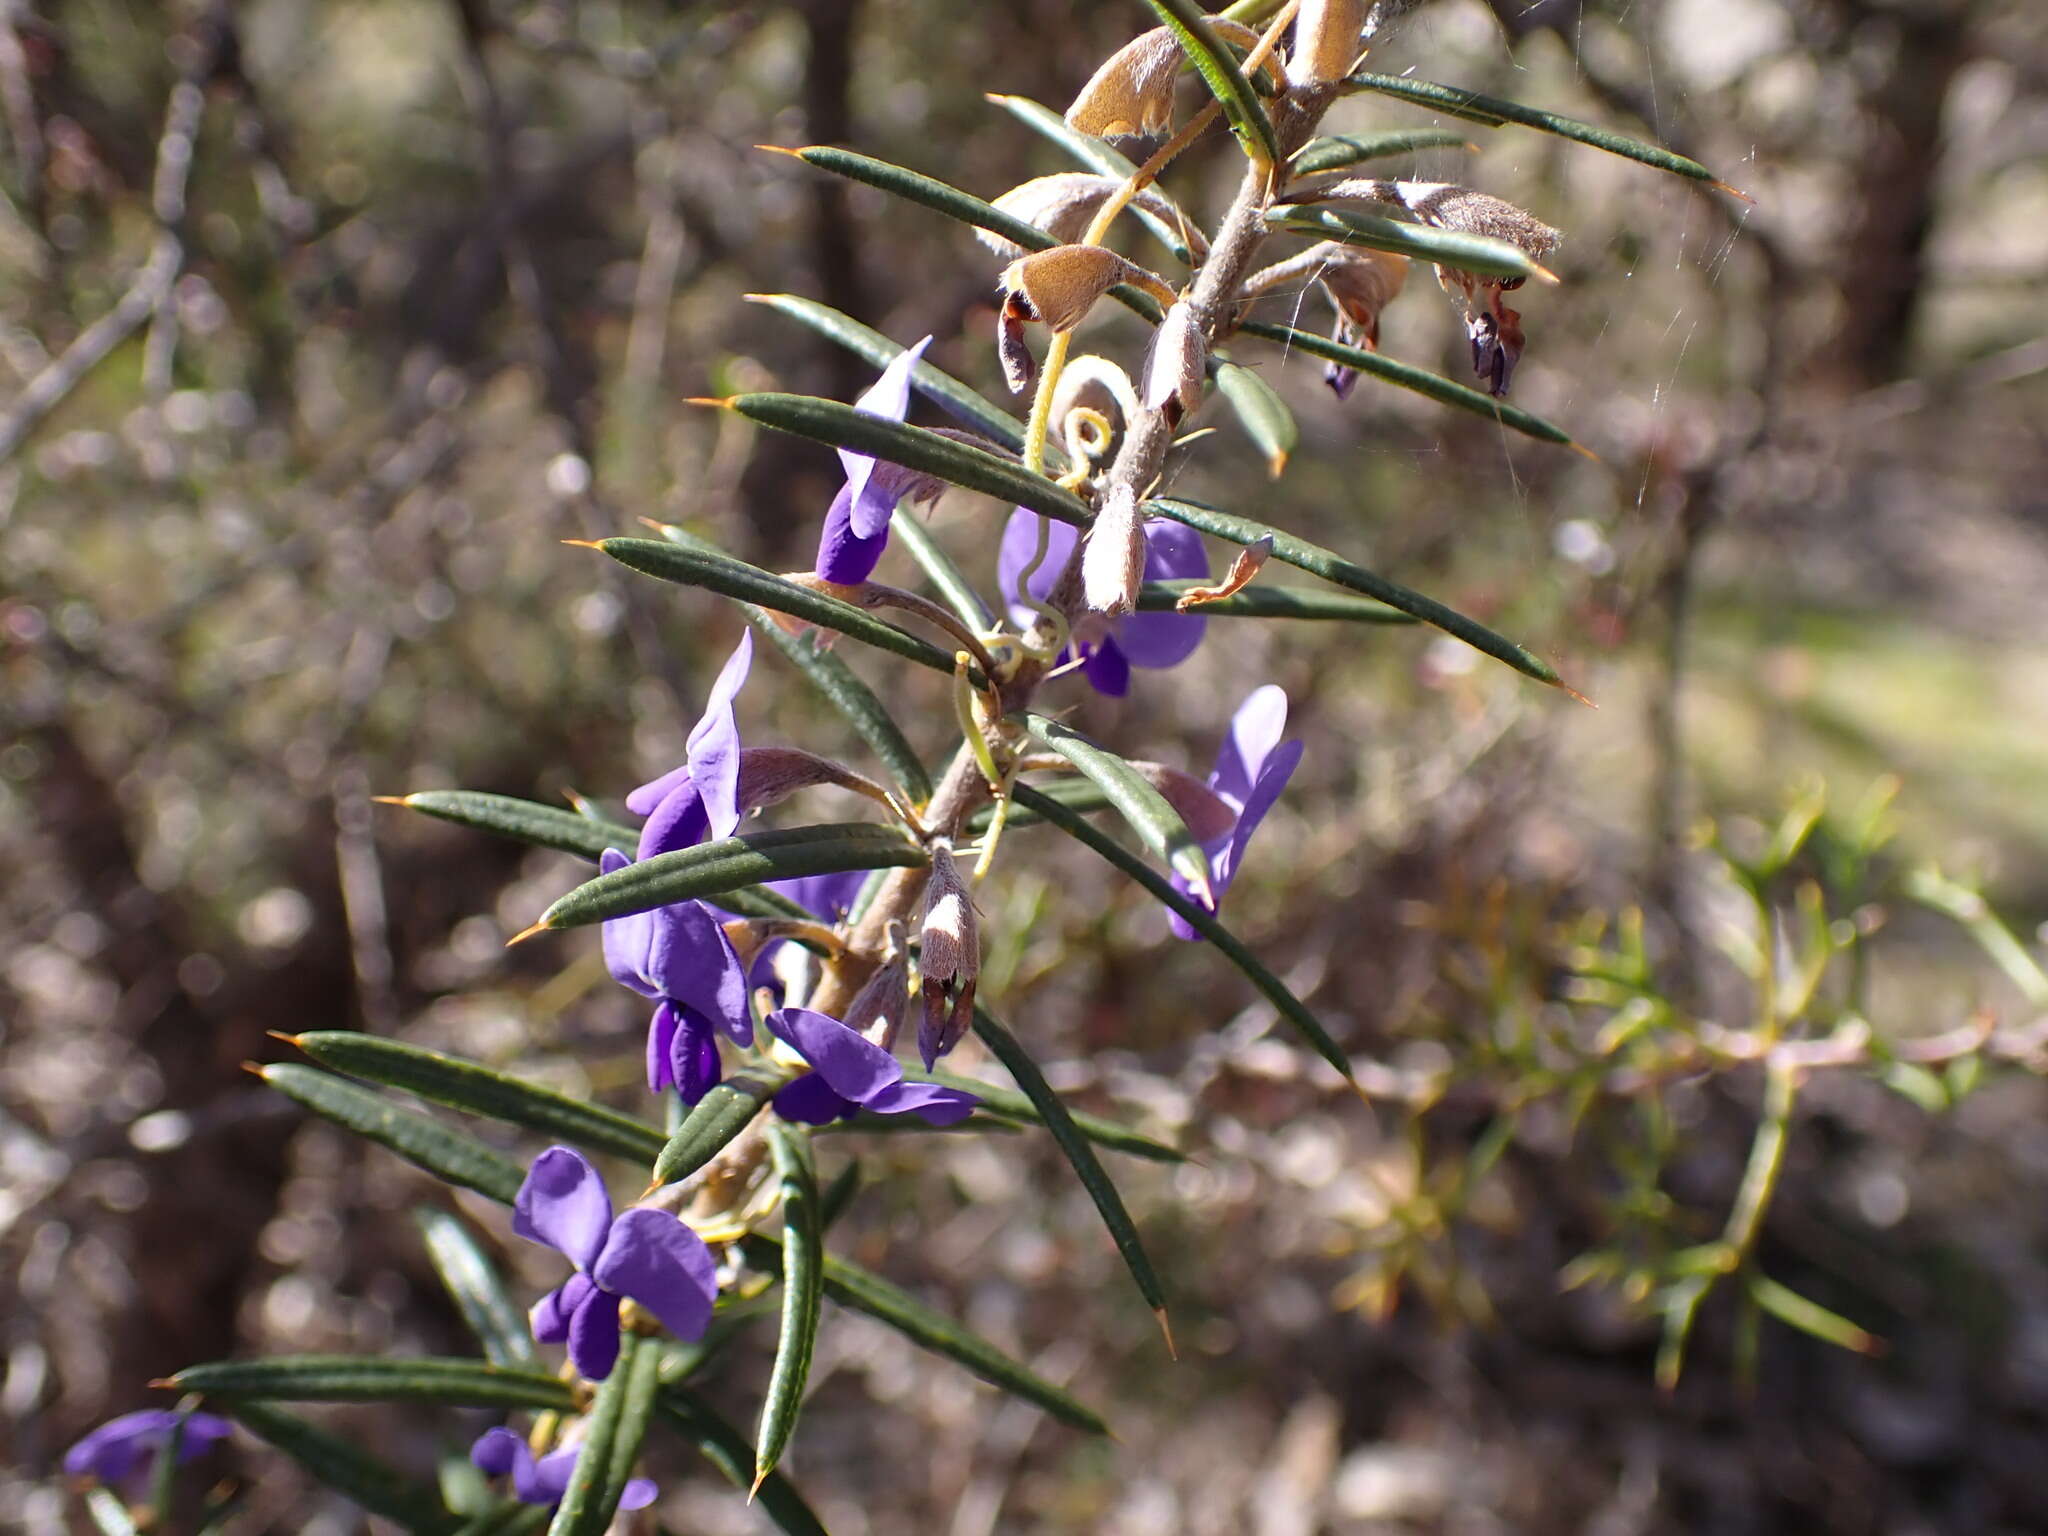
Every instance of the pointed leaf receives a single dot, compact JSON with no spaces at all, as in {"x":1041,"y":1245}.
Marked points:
{"x":1143,"y":808}
{"x":955,"y":462}
{"x":456,"y":1383}
{"x":1262,"y":602}
{"x":864,"y":1291}
{"x":1276,"y":991}
{"x":1494,"y":111}
{"x":468,"y":1085}
{"x":448,"y":1154}
{"x":1219,"y":71}
{"x":1408,"y":376}
{"x":1080,"y":1156}
{"x":479,"y":1293}
{"x":943,"y":574}
{"x":1794,"y":1310}
{"x":1335,"y":151}
{"x":727,"y":1449}
{"x":711,"y":1125}
{"x":803,"y":1261}
{"x":1261,"y":412}
{"x":750,"y":584}
{"x":1072,"y":791}
{"x":1332,"y":567}
{"x":1446,"y":247}
{"x":1017,"y":1106}
{"x":614,"y":1428}
{"x":1096,"y":156}
{"x":346,"y":1468}
{"x":710,"y":869}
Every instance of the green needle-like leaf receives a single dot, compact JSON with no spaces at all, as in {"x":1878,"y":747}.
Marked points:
{"x":1446,"y":247}
{"x":1094,"y":154}
{"x":713,"y":1122}
{"x":932,"y":453}
{"x":1408,"y":376}
{"x":803,"y":1278}
{"x":1335,"y":151}
{"x":1259,"y":602}
{"x":1017,"y":1106}
{"x":1494,"y":111}
{"x":946,"y":577}
{"x":727,"y":1449}
{"x":1157,"y":823}
{"x":865,"y":1291}
{"x":455,"y":1383}
{"x":1080,"y":1156}
{"x":468,"y":1085}
{"x":1072,"y":791}
{"x":477,"y":1290}
{"x":710,"y":869}
{"x":1276,"y":991}
{"x":346,"y":1468}
{"x":750,"y":584}
{"x":1219,"y":71}
{"x":1261,"y":412}
{"x":614,"y":1428}
{"x":525,"y":821}
{"x":1332,"y":567}
{"x":450,"y":1155}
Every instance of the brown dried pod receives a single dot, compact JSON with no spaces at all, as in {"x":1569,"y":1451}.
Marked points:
{"x":1063,"y":204}
{"x":1361,"y":283}
{"x":1325,"y":46}
{"x":1175,"y":363}
{"x":1113,"y":560}
{"x":1446,"y":205}
{"x":1132,"y":93}
{"x":1061,"y":285}
{"x":949,"y":956}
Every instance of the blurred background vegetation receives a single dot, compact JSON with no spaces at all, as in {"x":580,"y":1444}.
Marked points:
{"x":322,"y":322}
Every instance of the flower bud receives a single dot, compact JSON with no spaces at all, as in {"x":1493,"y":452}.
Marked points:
{"x":1062,"y":205}
{"x":1362,"y":283}
{"x":1325,"y":41}
{"x":1174,"y":366}
{"x":1113,"y":562}
{"x":949,"y":957}
{"x":1062,"y":284}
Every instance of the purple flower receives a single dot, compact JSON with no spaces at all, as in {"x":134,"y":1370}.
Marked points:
{"x":679,"y":957}
{"x":857,"y":526}
{"x":701,"y":799}
{"x":1172,"y":551}
{"x":1251,"y":770}
{"x":500,"y":1451}
{"x":851,"y":1073}
{"x":119,"y":1448}
{"x":646,"y":1255}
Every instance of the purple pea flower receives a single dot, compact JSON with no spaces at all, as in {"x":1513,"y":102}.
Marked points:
{"x":679,"y":957}
{"x":120,"y":1448}
{"x":857,"y":526}
{"x":1172,"y":551}
{"x":701,"y":799}
{"x":1252,"y":768}
{"x":545,"y":1481}
{"x":646,"y":1255}
{"x":849,"y":1073}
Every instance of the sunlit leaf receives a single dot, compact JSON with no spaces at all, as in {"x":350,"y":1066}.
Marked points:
{"x":713,"y":1122}
{"x":613,"y":1429}
{"x":1262,"y":602}
{"x":454,"y":1383}
{"x":1446,"y":247}
{"x":803,"y":1268}
{"x":1096,"y":156}
{"x":1333,"y":152}
{"x":1158,"y":825}
{"x":1261,"y":412}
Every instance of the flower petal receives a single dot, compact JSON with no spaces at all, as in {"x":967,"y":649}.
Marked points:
{"x":1107,"y":669}
{"x":693,"y":1057}
{"x":678,"y":820}
{"x":843,"y":555}
{"x":640,"y":1492}
{"x":1273,"y":777}
{"x":1020,"y":542}
{"x":563,"y":1204}
{"x":928,"y":1101}
{"x":550,"y":1315}
{"x":661,"y":1040}
{"x":1173,"y":551}
{"x":594,"y":1335}
{"x":714,"y":744}
{"x":889,"y":398}
{"x":627,"y":939}
{"x":547,"y":1480}
{"x":809,"y":1100}
{"x":1255,"y":730}
{"x":644,"y":799}
{"x":829,"y":897}
{"x":114,"y":1450}
{"x":693,"y":962}
{"x":660,"y":1263}
{"x":854,"y":1067}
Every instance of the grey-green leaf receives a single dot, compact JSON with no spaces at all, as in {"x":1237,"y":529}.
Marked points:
{"x":1276,"y":991}
{"x":469,"y":1085}
{"x":1079,"y":1154}
{"x":1158,"y":825}
{"x":1262,"y":602}
{"x":1408,"y":376}
{"x":479,"y":1293}
{"x":1334,"y":151}
{"x":1261,"y":412}
{"x":525,"y":821}
{"x":713,"y":1122}
{"x":803,"y":1273}
{"x":1332,"y":567}
{"x":614,"y":1428}
{"x":448,"y":1154}
{"x":346,"y":1468}
{"x":864,"y":1291}
{"x":453,"y":1382}
{"x":1219,"y":71}
{"x":1072,"y":791}
{"x":710,"y":869}
{"x":1446,"y":247}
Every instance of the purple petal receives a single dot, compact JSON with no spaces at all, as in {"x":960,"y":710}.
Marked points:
{"x":809,"y":1100}
{"x":1173,"y":552}
{"x":547,"y":1480}
{"x":627,"y":939}
{"x":563,"y":1204}
{"x":654,"y":791}
{"x":1255,"y":730}
{"x":1107,"y":669}
{"x":498,"y":1451}
{"x":928,"y":1101}
{"x":660,"y":1263}
{"x":678,"y":820}
{"x":1020,"y":542}
{"x":889,"y":398}
{"x":693,"y":962}
{"x":661,"y":1041}
{"x":118,"y":1448}
{"x":714,"y":745}
{"x":594,"y":1335}
{"x":829,"y":897}
{"x":843,"y":555}
{"x":855,"y":1068}
{"x":1273,"y":777}
{"x":640,"y":1492}
{"x":550,"y":1315}
{"x":693,"y":1064}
